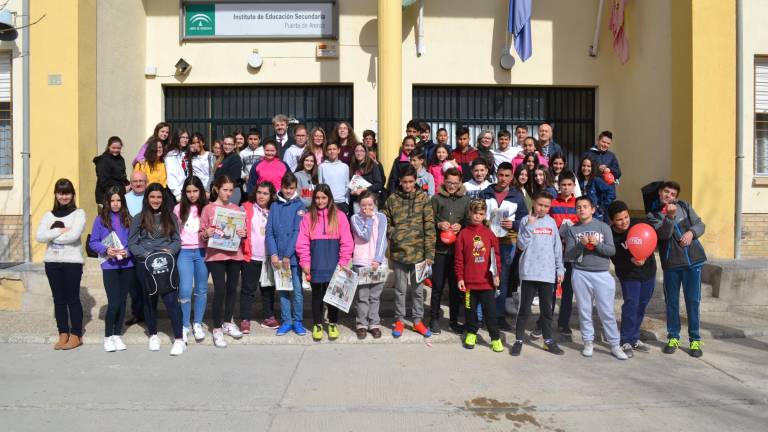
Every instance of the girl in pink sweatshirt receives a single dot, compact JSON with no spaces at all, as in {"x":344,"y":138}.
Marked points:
{"x":324,"y":242}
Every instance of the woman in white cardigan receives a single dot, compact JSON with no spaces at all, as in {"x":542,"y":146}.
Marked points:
{"x":60,"y":229}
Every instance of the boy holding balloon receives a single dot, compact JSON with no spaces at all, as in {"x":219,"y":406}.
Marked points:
{"x":636,"y":270}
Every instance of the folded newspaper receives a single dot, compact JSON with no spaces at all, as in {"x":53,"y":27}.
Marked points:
{"x":112,"y":241}
{"x":498,"y":216}
{"x":226,"y":222}
{"x":341,"y":289}
{"x":283,"y":278}
{"x":423,"y":271}
{"x":367,"y":275}
{"x":358,"y":182}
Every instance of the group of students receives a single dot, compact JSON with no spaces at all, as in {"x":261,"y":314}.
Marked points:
{"x":302,"y":217}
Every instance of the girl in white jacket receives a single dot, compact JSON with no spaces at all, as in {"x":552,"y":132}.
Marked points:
{"x":177,"y":163}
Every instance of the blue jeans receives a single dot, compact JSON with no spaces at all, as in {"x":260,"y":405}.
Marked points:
{"x":192,"y":268}
{"x":507,"y":257}
{"x":636,"y":295}
{"x":690,"y":278}
{"x":292,"y":301}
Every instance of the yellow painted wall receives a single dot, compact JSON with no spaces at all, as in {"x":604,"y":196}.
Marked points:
{"x":11,"y":187}
{"x":63,"y":120}
{"x":755,"y":43}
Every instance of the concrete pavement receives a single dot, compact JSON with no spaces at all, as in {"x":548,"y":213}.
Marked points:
{"x":404,"y":387}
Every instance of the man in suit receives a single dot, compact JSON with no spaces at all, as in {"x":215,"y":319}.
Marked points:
{"x":281,"y":136}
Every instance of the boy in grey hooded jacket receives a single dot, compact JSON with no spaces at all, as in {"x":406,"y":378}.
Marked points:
{"x":541,"y":265}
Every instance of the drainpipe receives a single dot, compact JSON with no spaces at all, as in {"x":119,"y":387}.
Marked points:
{"x":596,"y":38}
{"x":25,"y":132}
{"x":739,"y":133}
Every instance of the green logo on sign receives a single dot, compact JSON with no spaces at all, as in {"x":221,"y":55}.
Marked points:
{"x":200,"y":20}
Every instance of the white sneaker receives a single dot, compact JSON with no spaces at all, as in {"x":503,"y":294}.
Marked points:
{"x":119,"y":345}
{"x":232,"y":330}
{"x":535,"y":301}
{"x":184,"y":333}
{"x":178,"y":347}
{"x":627,"y":348}
{"x":109,"y":345}
{"x":619,"y":353}
{"x":587,"y":350}
{"x":218,"y":338}
{"x":154,"y":343}
{"x":198,"y":332}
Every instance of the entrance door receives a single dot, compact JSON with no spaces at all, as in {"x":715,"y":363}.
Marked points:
{"x":218,"y":111}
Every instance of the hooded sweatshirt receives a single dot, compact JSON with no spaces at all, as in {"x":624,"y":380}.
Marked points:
{"x":110,"y":171}
{"x":370,"y":237}
{"x":283,"y":226}
{"x":542,"y":257}
{"x":99,"y":232}
{"x":321,"y":249}
{"x":607,"y":158}
{"x":669,"y":231}
{"x":175,"y":171}
{"x":411,"y":227}
{"x":451,"y":208}
{"x":472,"y":261}
{"x":266,"y":170}
{"x":336,"y":175}
{"x":425,"y":182}
{"x":589,"y":258}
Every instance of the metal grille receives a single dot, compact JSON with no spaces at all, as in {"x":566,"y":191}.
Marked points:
{"x":217,"y":111}
{"x":571,"y":112}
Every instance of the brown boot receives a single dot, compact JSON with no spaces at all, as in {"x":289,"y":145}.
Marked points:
{"x":74,"y":341}
{"x":62,"y":341}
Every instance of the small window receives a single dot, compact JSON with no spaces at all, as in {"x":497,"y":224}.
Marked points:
{"x":761,"y":116}
{"x":6,"y":132}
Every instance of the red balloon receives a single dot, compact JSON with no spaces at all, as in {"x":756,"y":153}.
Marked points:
{"x":447,"y":237}
{"x":608,"y":177}
{"x":641,"y":241}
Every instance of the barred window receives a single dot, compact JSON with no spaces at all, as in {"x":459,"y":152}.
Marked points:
{"x":6,"y":135}
{"x":761,"y":116}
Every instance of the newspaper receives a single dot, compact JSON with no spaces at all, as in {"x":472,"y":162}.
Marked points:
{"x":367,"y":275}
{"x":341,"y":289}
{"x":226,"y":222}
{"x":358,"y":182}
{"x":497,"y":216}
{"x":423,"y":271}
{"x":283,"y":278}
{"x":111,"y":241}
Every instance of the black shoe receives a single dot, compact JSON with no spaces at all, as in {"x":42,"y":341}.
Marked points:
{"x":566,"y":331}
{"x":516,"y":348}
{"x":552,"y":347}
{"x":434,"y":327}
{"x":696,"y":349}
{"x":456,"y":327}
{"x":536,"y":333}
{"x":133,"y":321}
{"x":504,"y":325}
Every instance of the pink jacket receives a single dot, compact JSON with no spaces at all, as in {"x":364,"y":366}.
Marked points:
{"x":321,"y":250}
{"x":438,"y":174}
{"x":520,"y":156}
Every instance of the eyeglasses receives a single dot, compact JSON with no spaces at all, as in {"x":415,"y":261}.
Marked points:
{"x":450,"y":183}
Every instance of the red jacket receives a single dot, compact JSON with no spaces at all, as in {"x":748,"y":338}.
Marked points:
{"x":563,"y":209}
{"x":473,"y":257}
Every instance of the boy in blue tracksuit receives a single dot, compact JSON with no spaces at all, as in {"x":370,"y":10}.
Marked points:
{"x":603,"y":157}
{"x":285,"y":215}
{"x":682,"y":257}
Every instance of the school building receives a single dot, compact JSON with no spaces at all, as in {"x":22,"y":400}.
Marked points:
{"x":690,"y":104}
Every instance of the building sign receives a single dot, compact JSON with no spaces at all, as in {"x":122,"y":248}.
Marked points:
{"x":306,"y":20}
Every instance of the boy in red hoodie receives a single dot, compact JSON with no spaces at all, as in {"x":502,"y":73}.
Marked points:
{"x":477,"y":264}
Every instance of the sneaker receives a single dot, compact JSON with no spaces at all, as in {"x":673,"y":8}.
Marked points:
{"x":154,"y":343}
{"x":245,"y":326}
{"x":627,"y":348}
{"x":587,"y":350}
{"x":184,"y":333}
{"x":504,"y":325}
{"x":232,"y":330}
{"x":510,"y":306}
{"x":552,"y":347}
{"x":119,"y":344}
{"x":470,"y":340}
{"x":617,"y":352}
{"x":497,"y":346}
{"x":535,"y":301}
{"x":218,"y":338}
{"x":198,"y":332}
{"x":361,"y":333}
{"x":270,"y":323}
{"x":641,"y":347}
{"x":317,"y":332}
{"x":178,"y":348}
{"x":375,"y":332}
{"x":299,"y":329}
{"x":333,"y":332}
{"x":696,"y":351}
{"x":397,"y":331}
{"x":516,"y":348}
{"x":434,"y":327}
{"x":109,"y":344}
{"x":671,"y":346}
{"x":284,"y":329}
{"x":566,"y":331}
{"x":536,"y":333}
{"x":456,"y":327}
{"x":305,"y":285}
{"x":421,"y":329}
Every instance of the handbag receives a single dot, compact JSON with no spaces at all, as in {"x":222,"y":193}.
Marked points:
{"x":88,"y":251}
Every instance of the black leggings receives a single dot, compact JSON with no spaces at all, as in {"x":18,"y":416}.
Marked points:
{"x":318,"y":292}
{"x":225,"y":275}
{"x":64,"y":279}
{"x":117,"y":283}
{"x":251,"y":275}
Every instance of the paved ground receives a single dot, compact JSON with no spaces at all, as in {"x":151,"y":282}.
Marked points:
{"x":366,"y":387}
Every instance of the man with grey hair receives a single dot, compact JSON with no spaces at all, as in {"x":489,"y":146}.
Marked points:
{"x":281,"y":136}
{"x":134,"y":198}
{"x":547,"y":144}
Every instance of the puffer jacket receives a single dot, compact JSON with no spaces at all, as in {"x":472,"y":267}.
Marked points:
{"x":669,"y":231}
{"x":321,"y":249}
{"x":410,"y":227}
{"x":283,"y":226}
{"x":451,"y":208}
